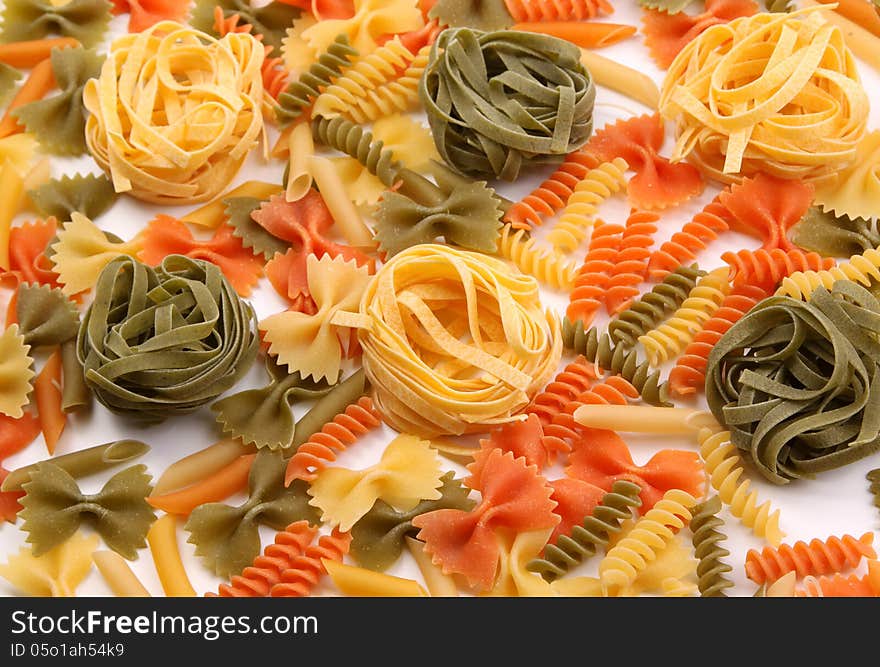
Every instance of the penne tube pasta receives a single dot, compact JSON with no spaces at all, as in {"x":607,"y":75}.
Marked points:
{"x":84,"y":462}
{"x":585,"y":34}
{"x":360,"y":582}
{"x":859,"y":40}
{"x":39,"y":82}
{"x":439,"y":584}
{"x":215,"y":487}
{"x":344,"y":213}
{"x":118,"y":575}
{"x":162,"y":539}
{"x":27,"y":54}
{"x":195,"y":467}
{"x":11,"y":190}
{"x":644,"y":419}
{"x":301,"y":148}
{"x":622,"y":79}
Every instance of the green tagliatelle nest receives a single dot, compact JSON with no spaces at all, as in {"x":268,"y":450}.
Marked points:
{"x":164,"y":341}
{"x":500,"y":101}
{"x":798,"y":383}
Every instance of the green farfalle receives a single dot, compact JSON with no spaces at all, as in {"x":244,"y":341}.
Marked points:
{"x":835,"y":236}
{"x":377,"y":539}
{"x":264,"y":417}
{"x":54,"y":508}
{"x":468,"y":217}
{"x":84,"y":20}
{"x":269,"y":20}
{"x":480,"y":14}
{"x":89,"y":194}
{"x":59,"y":121}
{"x":668,"y":6}
{"x":327,"y":407}
{"x":499,"y":102}
{"x":254,"y":236}
{"x":8,"y":77}
{"x":45,"y":315}
{"x":161,"y":342}
{"x":798,"y":383}
{"x":227,"y":538}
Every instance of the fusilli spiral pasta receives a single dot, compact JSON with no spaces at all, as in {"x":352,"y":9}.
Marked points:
{"x":654,"y":306}
{"x":590,"y":289}
{"x":599,"y":349}
{"x":302,"y":575}
{"x":712,"y":571}
{"x":547,"y":266}
{"x":631,"y":261}
{"x":863,"y":269}
{"x":578,"y":216}
{"x":818,"y":557}
{"x":670,"y":338}
{"x":651,"y":532}
{"x":724,"y":467}
{"x":583,"y":543}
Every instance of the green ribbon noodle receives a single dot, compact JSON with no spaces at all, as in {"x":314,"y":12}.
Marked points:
{"x":797,"y":383}
{"x":499,"y":101}
{"x":164,"y":341}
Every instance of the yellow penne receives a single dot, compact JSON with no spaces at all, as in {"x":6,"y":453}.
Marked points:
{"x":118,"y":575}
{"x":162,"y":539}
{"x":360,"y":582}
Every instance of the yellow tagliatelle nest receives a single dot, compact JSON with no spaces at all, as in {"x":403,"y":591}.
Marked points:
{"x":778,"y":93}
{"x":454,"y":341}
{"x":175,"y":112}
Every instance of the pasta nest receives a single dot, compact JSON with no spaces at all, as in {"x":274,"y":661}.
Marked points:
{"x":161,"y":342}
{"x":796,"y":382}
{"x":175,"y":112}
{"x":454,"y":341}
{"x":500,"y":101}
{"x":778,"y":93}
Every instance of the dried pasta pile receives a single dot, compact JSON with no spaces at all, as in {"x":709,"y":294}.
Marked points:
{"x":435,"y":180}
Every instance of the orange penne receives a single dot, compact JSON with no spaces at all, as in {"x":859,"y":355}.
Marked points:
{"x":218,"y":486}
{"x":26,"y":55}
{"x":47,"y":393}
{"x":39,"y":82}
{"x":860,"y":12}
{"x":585,"y":34}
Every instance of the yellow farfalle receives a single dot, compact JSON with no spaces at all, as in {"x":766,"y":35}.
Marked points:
{"x":309,"y":344}
{"x":408,"y":472}
{"x":856,"y":191}
{"x":409,"y":141}
{"x":514,"y":580}
{"x":16,"y":371}
{"x":82,"y":251}
{"x":56,"y":573}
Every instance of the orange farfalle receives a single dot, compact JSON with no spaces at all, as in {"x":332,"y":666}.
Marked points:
{"x":16,"y":434}
{"x":520,"y":438}
{"x":47,"y":396}
{"x":301,"y":223}
{"x":146,"y":13}
{"x":601,"y":457}
{"x":575,"y":500}
{"x":658,"y":183}
{"x":9,"y":505}
{"x":169,"y":236}
{"x":667,"y":34}
{"x":514,"y":496}
{"x":27,"y":248}
{"x":414,"y":40}
{"x":767,"y":207}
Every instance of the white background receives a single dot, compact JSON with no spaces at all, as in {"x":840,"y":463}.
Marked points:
{"x":835,"y":503}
